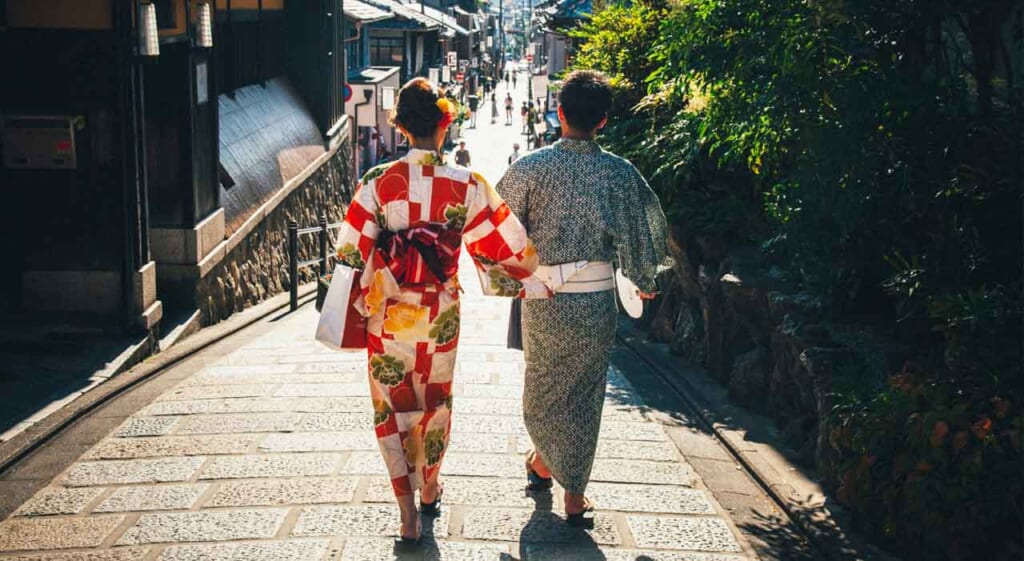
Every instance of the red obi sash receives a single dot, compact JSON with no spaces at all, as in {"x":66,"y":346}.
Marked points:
{"x":424,"y":253}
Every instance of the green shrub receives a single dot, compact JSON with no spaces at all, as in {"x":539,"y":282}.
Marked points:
{"x":874,"y":147}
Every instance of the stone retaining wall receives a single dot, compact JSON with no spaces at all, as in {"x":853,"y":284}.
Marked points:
{"x":257,"y":268}
{"x":772,"y":345}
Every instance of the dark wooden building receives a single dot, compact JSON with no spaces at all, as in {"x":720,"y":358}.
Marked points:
{"x":125,"y":176}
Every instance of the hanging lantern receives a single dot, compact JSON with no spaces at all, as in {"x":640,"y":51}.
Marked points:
{"x":149,"y":37}
{"x":204,"y":33}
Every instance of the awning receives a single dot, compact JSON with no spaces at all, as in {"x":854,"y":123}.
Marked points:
{"x":358,"y":10}
{"x":443,"y":18}
{"x":406,"y":12}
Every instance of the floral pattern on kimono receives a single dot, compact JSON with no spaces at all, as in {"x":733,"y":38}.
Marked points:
{"x":413,"y":325}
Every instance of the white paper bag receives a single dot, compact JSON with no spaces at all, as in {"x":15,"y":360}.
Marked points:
{"x":341,"y":327}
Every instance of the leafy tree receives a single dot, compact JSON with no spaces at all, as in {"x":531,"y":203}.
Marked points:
{"x":874,"y":147}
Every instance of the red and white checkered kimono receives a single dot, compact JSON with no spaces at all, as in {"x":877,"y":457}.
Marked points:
{"x":414,"y":319}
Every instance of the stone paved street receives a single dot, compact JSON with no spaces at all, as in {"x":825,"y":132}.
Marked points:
{"x":267,"y":453}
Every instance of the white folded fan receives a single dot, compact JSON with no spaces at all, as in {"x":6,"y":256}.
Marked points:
{"x":629,"y":295}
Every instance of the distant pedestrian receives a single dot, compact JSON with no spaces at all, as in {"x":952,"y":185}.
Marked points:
{"x":508,"y":108}
{"x":494,"y":108}
{"x":506,"y":78}
{"x":524,"y":112}
{"x":515,"y":153}
{"x":514,"y":72}
{"x":474,"y":104}
{"x":462,"y":155}
{"x":531,"y":123}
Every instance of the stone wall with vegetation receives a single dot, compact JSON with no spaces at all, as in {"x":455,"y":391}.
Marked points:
{"x":257,"y":268}
{"x":845,"y":186}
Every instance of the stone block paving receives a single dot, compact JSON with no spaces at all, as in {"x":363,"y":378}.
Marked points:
{"x":267,"y":453}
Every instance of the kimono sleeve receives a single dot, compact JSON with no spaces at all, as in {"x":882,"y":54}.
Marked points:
{"x":504,"y":256}
{"x":360,"y":229}
{"x":641,"y":240}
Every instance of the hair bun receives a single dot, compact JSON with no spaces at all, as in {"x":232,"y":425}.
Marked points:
{"x":416,"y":110}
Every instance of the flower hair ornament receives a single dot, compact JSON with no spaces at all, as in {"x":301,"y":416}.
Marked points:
{"x":447,"y":108}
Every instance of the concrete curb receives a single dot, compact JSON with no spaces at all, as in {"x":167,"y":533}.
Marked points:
{"x":24,"y":443}
{"x":789,"y":484}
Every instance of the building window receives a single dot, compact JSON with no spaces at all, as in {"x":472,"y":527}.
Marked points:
{"x":386,"y":51}
{"x":354,"y":48}
{"x":166,"y":14}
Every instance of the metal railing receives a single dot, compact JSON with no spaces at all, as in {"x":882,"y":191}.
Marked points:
{"x":322,"y":260}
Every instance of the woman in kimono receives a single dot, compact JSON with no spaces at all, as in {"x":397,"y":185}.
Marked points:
{"x":589,"y":211}
{"x":404,"y":229}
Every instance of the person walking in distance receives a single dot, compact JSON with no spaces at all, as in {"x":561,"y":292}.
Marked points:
{"x":586,"y":209}
{"x":462,"y":155}
{"x":524,"y":112}
{"x":531,"y":125}
{"x":408,"y":252}
{"x":508,"y":108}
{"x":515,"y":154}
{"x":494,"y":108}
{"x":514,"y":73}
{"x":474,"y":103}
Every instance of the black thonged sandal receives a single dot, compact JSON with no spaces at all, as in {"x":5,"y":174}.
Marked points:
{"x":405,"y":544}
{"x":584,"y":519}
{"x":535,"y":482}
{"x":433,"y":509}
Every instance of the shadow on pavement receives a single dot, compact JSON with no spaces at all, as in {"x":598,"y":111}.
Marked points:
{"x":773,"y":537}
{"x":41,"y":367}
{"x":547,"y":537}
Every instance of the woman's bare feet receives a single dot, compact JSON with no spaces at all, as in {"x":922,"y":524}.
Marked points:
{"x":430,"y":491}
{"x":410,"y":528}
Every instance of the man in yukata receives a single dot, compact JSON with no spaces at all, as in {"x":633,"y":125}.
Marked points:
{"x":588,"y":211}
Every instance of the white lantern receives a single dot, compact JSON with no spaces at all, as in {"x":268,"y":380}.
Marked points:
{"x":204,"y":31}
{"x":149,"y":37}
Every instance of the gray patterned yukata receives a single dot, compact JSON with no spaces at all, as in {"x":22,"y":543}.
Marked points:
{"x":578,"y":202}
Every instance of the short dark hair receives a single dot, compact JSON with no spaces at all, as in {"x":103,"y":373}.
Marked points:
{"x":585,"y":99}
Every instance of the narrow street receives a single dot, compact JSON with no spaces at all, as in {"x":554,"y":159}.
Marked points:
{"x":266,"y":452}
{"x":490,"y":145}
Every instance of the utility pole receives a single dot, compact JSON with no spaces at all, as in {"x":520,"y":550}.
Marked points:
{"x":528,"y":50}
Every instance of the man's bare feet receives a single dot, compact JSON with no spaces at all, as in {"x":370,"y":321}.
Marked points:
{"x":575,"y":504}
{"x":537,"y":464}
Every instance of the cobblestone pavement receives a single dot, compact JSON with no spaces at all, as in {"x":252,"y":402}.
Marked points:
{"x":268,"y":454}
